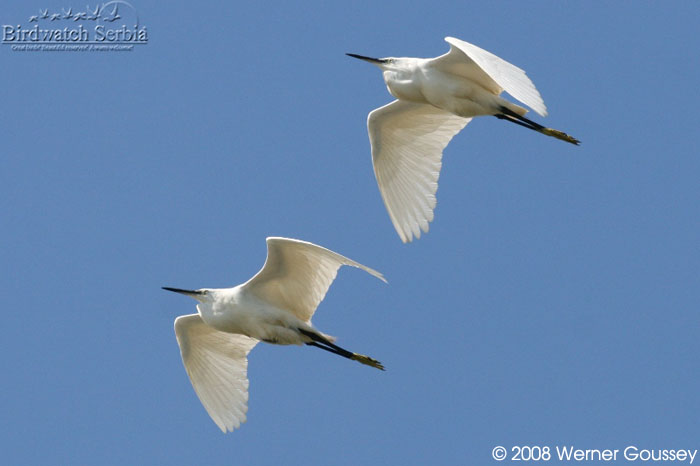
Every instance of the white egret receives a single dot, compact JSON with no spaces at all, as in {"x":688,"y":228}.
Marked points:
{"x":275,"y":306}
{"x":436,"y":98}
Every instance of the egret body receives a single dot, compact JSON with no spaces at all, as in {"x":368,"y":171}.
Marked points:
{"x":275,"y":306}
{"x":436,"y":99}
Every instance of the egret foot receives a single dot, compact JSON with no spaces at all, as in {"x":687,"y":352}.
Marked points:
{"x":366,"y":360}
{"x":555,"y":133}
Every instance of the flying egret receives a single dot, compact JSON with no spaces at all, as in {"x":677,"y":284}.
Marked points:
{"x":436,"y":98}
{"x":275,"y":306}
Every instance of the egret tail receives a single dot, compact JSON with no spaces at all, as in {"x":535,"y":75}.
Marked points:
{"x":509,"y":115}
{"x":327,"y":345}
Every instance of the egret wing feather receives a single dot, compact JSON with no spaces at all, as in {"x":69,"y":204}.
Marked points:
{"x":500,"y":75}
{"x":297,"y":274}
{"x":407,"y":142}
{"x":217,"y":364}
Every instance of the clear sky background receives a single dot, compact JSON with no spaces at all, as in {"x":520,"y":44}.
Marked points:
{"x":555,"y":300}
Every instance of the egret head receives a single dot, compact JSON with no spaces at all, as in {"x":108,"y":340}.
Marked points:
{"x":200,"y":295}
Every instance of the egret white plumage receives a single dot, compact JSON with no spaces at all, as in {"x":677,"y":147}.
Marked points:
{"x":275,"y":306}
{"x":436,"y":99}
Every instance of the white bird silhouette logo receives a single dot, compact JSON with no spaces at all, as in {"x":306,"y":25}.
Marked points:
{"x":93,"y":15}
{"x":114,"y":15}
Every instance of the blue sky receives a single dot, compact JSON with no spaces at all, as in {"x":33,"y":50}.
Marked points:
{"x":554,"y":302}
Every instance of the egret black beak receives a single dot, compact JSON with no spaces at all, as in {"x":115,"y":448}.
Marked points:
{"x":367,"y":59}
{"x":191,"y":293}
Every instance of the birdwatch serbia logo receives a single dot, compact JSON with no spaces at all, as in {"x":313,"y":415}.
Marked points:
{"x":110,"y":27}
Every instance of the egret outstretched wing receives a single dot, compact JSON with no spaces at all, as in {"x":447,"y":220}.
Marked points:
{"x":217,"y":363}
{"x":297,"y":275}
{"x":407,"y":142}
{"x":493,"y":73}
